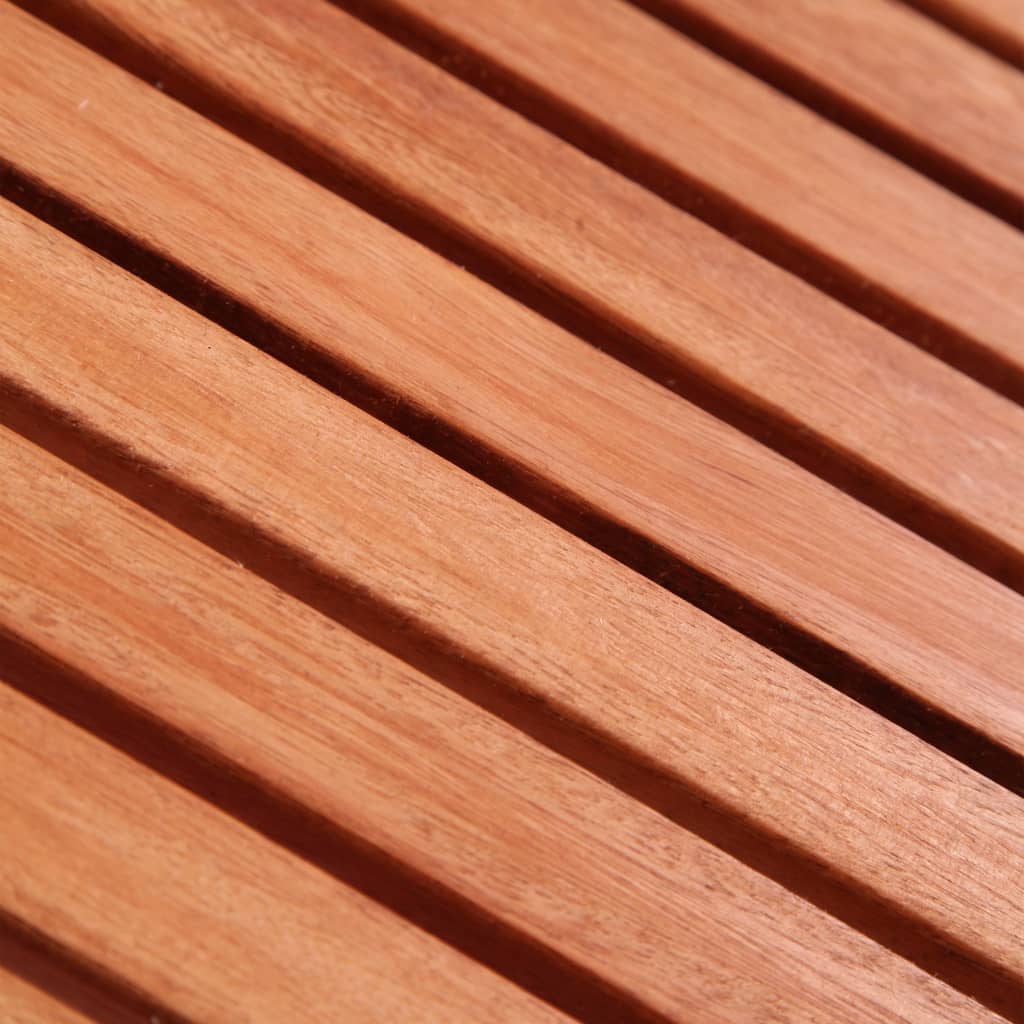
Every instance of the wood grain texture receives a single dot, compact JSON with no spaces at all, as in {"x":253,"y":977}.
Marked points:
{"x":369,"y":312}
{"x":181,"y":401}
{"x":891,"y":75}
{"x":22,"y":1003}
{"x":760,"y":166}
{"x":426,"y":777}
{"x":997,"y":25}
{"x":802,"y":373}
{"x":212,"y":921}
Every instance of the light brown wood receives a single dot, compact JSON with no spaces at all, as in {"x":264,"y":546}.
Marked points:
{"x":661,"y":682}
{"x":21,"y":1003}
{"x":692,"y":300}
{"x":892,"y":75}
{"x":438,"y":784}
{"x":211,"y":920}
{"x":995,"y":24}
{"x":694,"y":127}
{"x":372,"y":304}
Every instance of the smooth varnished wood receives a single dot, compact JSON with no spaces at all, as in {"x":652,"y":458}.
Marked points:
{"x":890,"y":74}
{"x":798,"y":370}
{"x":183,"y":408}
{"x":208,"y":919}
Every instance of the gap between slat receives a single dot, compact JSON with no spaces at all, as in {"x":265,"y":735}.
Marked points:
{"x":73,"y":980}
{"x":814,"y":452}
{"x":716,"y":209}
{"x":973,"y":29}
{"x":488,"y":686}
{"x":430,"y":905}
{"x":930,"y":161}
{"x":833,"y":666}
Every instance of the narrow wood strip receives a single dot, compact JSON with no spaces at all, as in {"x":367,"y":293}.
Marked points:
{"x":802,"y":374}
{"x":431,"y":781}
{"x":557,"y":638}
{"x":754,"y":164}
{"x":601,"y":449}
{"x":211,"y":919}
{"x":891,"y":75}
{"x":22,"y":1003}
{"x":996,"y":25}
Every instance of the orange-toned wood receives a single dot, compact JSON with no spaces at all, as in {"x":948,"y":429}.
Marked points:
{"x":22,"y":1003}
{"x":718,"y":141}
{"x":427,"y":778}
{"x":207,"y":918}
{"x":997,"y":25}
{"x":894,"y":76}
{"x":812,"y":778}
{"x":598,"y":446}
{"x":801,"y":371}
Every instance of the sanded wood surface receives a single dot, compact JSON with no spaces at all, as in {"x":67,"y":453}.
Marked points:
{"x":888,"y":73}
{"x":423,"y":775}
{"x":614,"y":652}
{"x":584,"y":430}
{"x":995,"y":24}
{"x":444,"y":576}
{"x":213,"y":922}
{"x":720,"y":142}
{"x":802,"y":372}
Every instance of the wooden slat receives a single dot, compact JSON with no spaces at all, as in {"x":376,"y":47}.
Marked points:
{"x":762,"y":167}
{"x":22,"y":1003}
{"x":526,"y":404}
{"x":528,"y":609}
{"x":429,"y":779}
{"x":212,"y":921}
{"x":888,"y":73}
{"x":998,"y":25}
{"x":802,"y":372}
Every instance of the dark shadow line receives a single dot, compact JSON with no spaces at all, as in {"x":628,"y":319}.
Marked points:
{"x":73,"y":979}
{"x":493,"y":688}
{"x":641,"y":351}
{"x":931,"y":161}
{"x":717,"y":209}
{"x":974,"y":32}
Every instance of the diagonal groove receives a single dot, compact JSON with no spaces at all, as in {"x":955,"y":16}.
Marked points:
{"x":844,"y":469}
{"x":71,"y":978}
{"x":488,"y":685}
{"x":744,"y":52}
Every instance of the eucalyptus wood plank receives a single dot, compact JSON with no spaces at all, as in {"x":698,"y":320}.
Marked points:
{"x":427,"y":778}
{"x":22,"y":1003}
{"x":758,"y":165}
{"x":800,"y":372}
{"x":208,"y":918}
{"x":636,"y":469}
{"x":670,"y":704}
{"x":997,"y":25}
{"x":888,"y":73}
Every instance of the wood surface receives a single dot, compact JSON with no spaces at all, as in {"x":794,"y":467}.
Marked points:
{"x":754,"y":163}
{"x":598,"y":447}
{"x":202,"y":428}
{"x":997,"y":25}
{"x":206,"y":917}
{"x":801,"y":373}
{"x":22,"y":1003}
{"x":887,"y":73}
{"x":386,"y":754}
